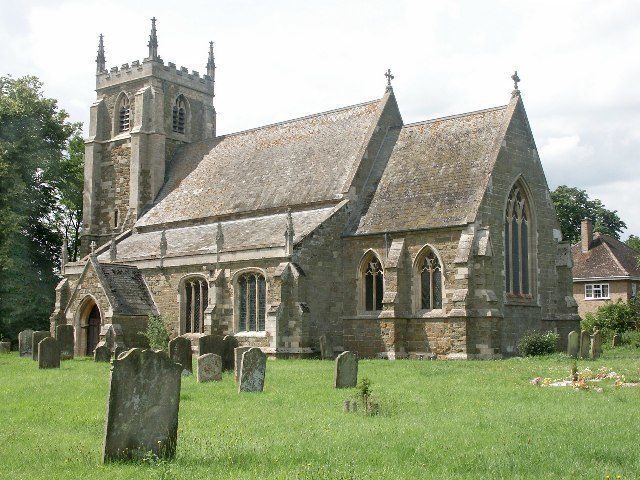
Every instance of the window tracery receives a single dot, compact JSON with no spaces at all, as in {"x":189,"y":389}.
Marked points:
{"x":373,"y":284}
{"x":517,"y":226}
{"x":252,"y":297}
{"x":196,"y":299}
{"x":430,"y":271}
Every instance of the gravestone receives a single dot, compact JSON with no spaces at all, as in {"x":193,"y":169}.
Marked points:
{"x":49,"y":353}
{"x":36,"y":338}
{"x":237,"y":361}
{"x":326,"y":348}
{"x":180,"y":352}
{"x":573,"y":344}
{"x":596,"y":345}
{"x":142,"y":409}
{"x":119,"y":351}
{"x":5,"y":347}
{"x":112,"y":335}
{"x":229,"y":343}
{"x":615,"y":341}
{"x":24,"y":342}
{"x":102,"y":353}
{"x":209,"y":368}
{"x":585,"y":340}
{"x":210,"y":344}
{"x":253,"y":368}
{"x":66,"y":340}
{"x":346,"y":372}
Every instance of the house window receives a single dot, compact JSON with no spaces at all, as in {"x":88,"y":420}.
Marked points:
{"x":373,"y":284}
{"x":124,"y":114}
{"x":252,"y":299}
{"x":596,"y":291}
{"x":517,"y":249}
{"x":430,"y":272}
{"x":195,"y":295}
{"x":179,"y":114}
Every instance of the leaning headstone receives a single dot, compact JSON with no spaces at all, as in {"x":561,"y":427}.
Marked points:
{"x":615,"y":341}
{"x":229,"y":343}
{"x":102,"y":354}
{"x":180,"y":352}
{"x":596,"y":345}
{"x":253,"y":368}
{"x":65,"y":337}
{"x":573,"y":343}
{"x":326,"y":348}
{"x":209,"y":368}
{"x":119,"y":351}
{"x":36,"y":338}
{"x":24,"y":342}
{"x":5,"y":347}
{"x":210,"y":344}
{"x":346,"y":372}
{"x":49,"y":353}
{"x":237,"y":361}
{"x":142,"y":410}
{"x":585,"y":340}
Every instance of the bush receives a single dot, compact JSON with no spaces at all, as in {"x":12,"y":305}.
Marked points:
{"x":631,"y":338}
{"x":538,"y":343}
{"x":156,"y":332}
{"x":612,"y":318}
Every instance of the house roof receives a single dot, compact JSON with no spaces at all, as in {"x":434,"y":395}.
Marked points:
{"x":607,"y":257}
{"x":436,"y":172}
{"x":303,"y":161}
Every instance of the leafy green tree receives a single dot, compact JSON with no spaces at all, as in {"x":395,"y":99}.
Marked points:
{"x":573,"y":205}
{"x":634,"y":242}
{"x":34,"y":144}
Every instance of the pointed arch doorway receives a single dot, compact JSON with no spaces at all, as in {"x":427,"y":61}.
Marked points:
{"x":93,"y":329}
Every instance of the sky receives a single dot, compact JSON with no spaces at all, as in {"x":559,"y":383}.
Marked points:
{"x":276,"y":60}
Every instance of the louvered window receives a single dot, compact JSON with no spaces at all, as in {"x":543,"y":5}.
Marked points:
{"x":124,"y":113}
{"x":179,"y":115}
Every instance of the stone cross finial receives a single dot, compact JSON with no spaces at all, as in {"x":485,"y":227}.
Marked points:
{"x":100,"y":59}
{"x":516,"y":80}
{"x":288,"y":234}
{"x":153,"y":41}
{"x":389,"y":78}
{"x":93,"y":247}
{"x":211,"y":63}
{"x":113,"y":250}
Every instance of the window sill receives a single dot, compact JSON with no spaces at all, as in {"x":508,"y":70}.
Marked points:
{"x":596,"y":299}
{"x":522,"y":300}
{"x":251,"y":334}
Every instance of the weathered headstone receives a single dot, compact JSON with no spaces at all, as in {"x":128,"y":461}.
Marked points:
{"x":615,"y":341}
{"x":119,"y":351}
{"x":585,"y":340}
{"x":25,"y":337}
{"x":210,"y":344}
{"x":5,"y":347}
{"x":142,"y":410}
{"x":229,"y":343}
{"x":180,"y":352}
{"x":237,"y":361}
{"x":49,"y":353}
{"x":253,"y":368}
{"x":112,"y":335}
{"x":596,"y":345}
{"x":102,"y":353}
{"x":326,"y":348}
{"x":573,"y":343}
{"x":36,"y":338}
{"x":346,"y":372}
{"x":209,"y":368}
{"x":66,"y":340}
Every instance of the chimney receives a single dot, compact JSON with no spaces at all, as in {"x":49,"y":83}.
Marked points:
{"x":586,"y":234}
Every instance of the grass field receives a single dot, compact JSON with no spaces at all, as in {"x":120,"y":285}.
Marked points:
{"x":441,"y":419}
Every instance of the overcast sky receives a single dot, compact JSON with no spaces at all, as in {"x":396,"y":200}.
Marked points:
{"x":578,"y":62}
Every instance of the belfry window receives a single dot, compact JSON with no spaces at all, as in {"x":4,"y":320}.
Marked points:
{"x":373,"y":284}
{"x":195,"y":296}
{"x":430,"y":281}
{"x":517,"y":226}
{"x":179,"y":115}
{"x":124,"y":114}
{"x":252,"y":297}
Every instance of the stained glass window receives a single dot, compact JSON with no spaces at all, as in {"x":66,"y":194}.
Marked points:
{"x":252,"y":299}
{"x":373,"y":284}
{"x":430,"y":282}
{"x":517,"y":248}
{"x":196,"y":300}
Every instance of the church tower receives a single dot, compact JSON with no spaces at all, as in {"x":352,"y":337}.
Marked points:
{"x":142,"y":113}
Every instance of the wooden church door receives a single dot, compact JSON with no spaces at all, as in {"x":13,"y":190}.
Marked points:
{"x":93,"y":330}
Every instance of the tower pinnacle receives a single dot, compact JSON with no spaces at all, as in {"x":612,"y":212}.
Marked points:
{"x":153,"y":41}
{"x":100,"y":60}
{"x":211,"y":63}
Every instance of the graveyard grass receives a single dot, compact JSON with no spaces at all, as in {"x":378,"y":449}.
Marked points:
{"x":474,"y":419}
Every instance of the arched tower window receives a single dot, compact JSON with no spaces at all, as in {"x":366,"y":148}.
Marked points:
{"x":124,"y":114}
{"x":517,"y":233}
{"x":430,"y":275}
{"x":195,"y":298}
{"x":179,"y":115}
{"x":373,"y":283}
{"x":252,"y":298}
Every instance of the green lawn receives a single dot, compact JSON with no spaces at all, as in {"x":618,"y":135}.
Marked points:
{"x":440,"y":419}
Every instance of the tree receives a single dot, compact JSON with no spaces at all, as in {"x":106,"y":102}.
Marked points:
{"x":34,"y":146}
{"x":573,"y":205}
{"x":634,"y":242}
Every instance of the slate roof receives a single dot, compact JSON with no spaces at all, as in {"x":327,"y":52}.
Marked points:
{"x":302,"y":161}
{"x":436,"y":172}
{"x":607,"y":257}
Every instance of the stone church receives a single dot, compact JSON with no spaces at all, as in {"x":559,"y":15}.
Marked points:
{"x":431,"y":239}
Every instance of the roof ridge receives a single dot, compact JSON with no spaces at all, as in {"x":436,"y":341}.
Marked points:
{"x":297,"y":119}
{"x":458,"y":115}
{"x":615,"y":257}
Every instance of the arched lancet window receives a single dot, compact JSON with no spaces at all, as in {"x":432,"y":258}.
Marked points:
{"x":252,"y":298}
{"x":430,"y":271}
{"x":195,"y":297}
{"x":124,"y":114}
{"x":179,"y":115}
{"x":517,"y":226}
{"x":373,"y":283}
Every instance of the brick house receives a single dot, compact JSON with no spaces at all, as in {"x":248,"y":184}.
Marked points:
{"x":604,"y":270}
{"x":434,"y":238}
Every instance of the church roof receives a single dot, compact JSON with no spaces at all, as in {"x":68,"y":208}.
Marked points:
{"x":607,"y":257}
{"x":436,"y":172}
{"x":304,"y":161}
